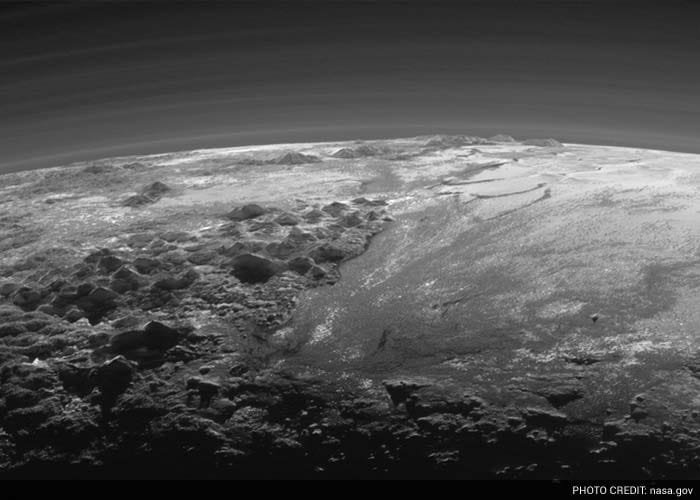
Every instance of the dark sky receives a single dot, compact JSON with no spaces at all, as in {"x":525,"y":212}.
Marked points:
{"x":81,"y":81}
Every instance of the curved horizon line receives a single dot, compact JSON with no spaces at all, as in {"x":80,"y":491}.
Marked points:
{"x":283,"y":144}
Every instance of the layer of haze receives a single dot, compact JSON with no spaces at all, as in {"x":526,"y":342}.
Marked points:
{"x":83,"y":81}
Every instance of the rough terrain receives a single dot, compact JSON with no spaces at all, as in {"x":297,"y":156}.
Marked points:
{"x":436,"y":306}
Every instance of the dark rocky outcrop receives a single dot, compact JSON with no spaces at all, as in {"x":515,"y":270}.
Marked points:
{"x":317,"y":272}
{"x":253,"y":268}
{"x":8,"y":288}
{"x":263,"y":227}
{"x":336,"y":208}
{"x":160,"y":336}
{"x":179,"y":282}
{"x":136,"y":200}
{"x":155,"y":190}
{"x":352,"y":219}
{"x":205,"y":388}
{"x":329,"y":252}
{"x":287,"y":219}
{"x":125,"y":279}
{"x":146,"y":265}
{"x":73,"y":314}
{"x":295,"y":158}
{"x":97,"y":302}
{"x":346,"y":153}
{"x":314,"y":215}
{"x":148,"y":195}
{"x":369,"y":203}
{"x":362,"y":151}
{"x":154,"y":335}
{"x":545,"y":418}
{"x":114,"y":376}
{"x":26,"y":298}
{"x":559,"y":395}
{"x":246,"y":212}
{"x":400,"y":390}
{"x":295,"y":242}
{"x":201,"y":257}
{"x":300,"y":265}
{"x":110,"y":263}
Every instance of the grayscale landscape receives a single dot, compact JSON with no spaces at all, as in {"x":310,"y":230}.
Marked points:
{"x":435,"y":306}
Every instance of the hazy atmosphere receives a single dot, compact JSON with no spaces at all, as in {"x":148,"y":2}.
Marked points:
{"x":87,"y":80}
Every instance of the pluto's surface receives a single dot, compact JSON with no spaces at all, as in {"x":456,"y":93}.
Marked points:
{"x":444,"y":306}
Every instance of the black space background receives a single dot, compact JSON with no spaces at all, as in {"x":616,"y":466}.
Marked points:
{"x":89,"y":80}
